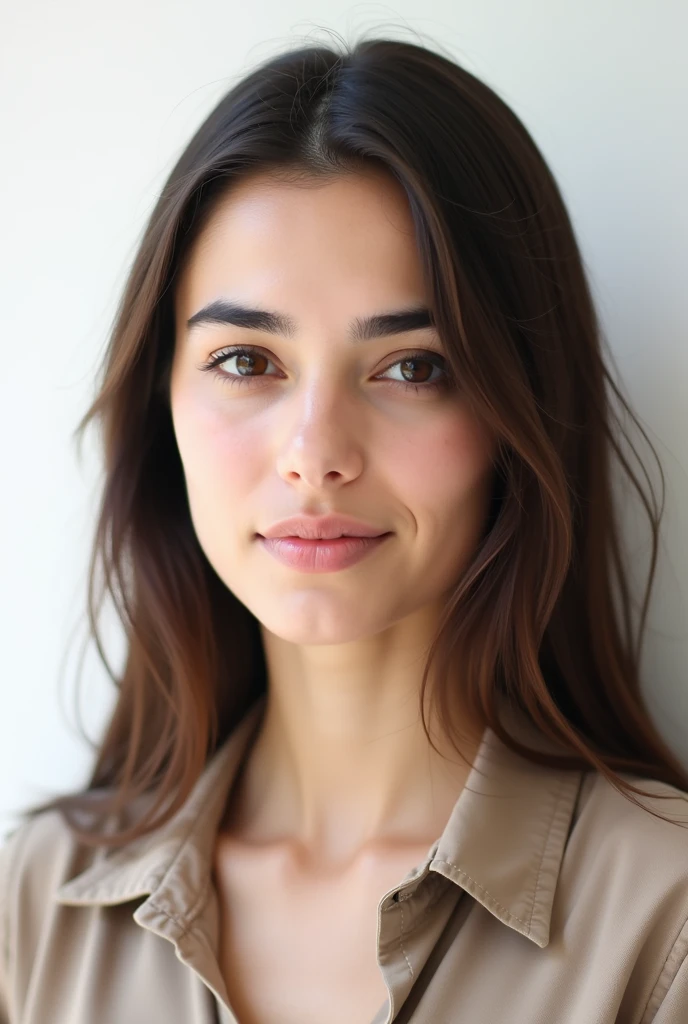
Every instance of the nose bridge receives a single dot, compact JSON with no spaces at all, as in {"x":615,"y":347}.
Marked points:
{"x":320,"y":401}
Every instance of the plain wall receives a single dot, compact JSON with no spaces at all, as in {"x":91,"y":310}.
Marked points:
{"x":97,"y":101}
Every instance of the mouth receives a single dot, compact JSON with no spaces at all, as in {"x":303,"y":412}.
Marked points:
{"x":326,"y":540}
{"x":321,"y":554}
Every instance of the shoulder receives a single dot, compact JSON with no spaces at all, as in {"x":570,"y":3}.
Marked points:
{"x":624,"y":880}
{"x":621,"y":845}
{"x":35,"y":858}
{"x":611,"y":817}
{"x":33,"y":843}
{"x":43,"y":852}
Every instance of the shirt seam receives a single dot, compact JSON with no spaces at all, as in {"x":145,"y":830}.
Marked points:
{"x":185,"y":924}
{"x":672,"y":962}
{"x":563,"y":789}
{"x":490,"y":898}
{"x":433,"y":879}
{"x":526,"y":924}
{"x":401,"y":940}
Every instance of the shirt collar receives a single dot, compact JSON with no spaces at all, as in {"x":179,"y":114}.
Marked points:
{"x":503,"y":843}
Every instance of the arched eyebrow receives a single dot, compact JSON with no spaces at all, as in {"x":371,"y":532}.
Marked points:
{"x":221,"y":311}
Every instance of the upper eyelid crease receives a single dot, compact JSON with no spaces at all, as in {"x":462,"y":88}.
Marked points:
{"x":380,"y":325}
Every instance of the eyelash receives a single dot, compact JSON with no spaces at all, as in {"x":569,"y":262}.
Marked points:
{"x":239,"y":350}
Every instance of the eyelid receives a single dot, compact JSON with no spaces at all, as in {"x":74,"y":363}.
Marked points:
{"x":407,"y":353}
{"x":435,"y":359}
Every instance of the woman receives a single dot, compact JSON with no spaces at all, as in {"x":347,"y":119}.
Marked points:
{"x":380,"y":751}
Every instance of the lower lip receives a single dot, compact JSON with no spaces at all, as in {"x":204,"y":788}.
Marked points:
{"x":321,"y":555}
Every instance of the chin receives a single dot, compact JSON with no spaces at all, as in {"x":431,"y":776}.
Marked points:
{"x":316,"y":626}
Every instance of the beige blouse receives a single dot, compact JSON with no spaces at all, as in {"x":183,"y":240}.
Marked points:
{"x":549,"y":898}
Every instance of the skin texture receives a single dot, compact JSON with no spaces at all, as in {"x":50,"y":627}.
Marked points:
{"x":341,"y":781}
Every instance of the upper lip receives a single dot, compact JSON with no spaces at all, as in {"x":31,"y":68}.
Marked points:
{"x":322,"y":528}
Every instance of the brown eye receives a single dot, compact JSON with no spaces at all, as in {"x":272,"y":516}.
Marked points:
{"x":410,"y":367}
{"x":248,"y":361}
{"x":417,"y":370}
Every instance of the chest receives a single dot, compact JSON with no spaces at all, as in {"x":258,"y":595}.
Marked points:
{"x":295,"y":949}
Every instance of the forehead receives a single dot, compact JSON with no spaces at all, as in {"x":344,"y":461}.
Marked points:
{"x":316,"y":241}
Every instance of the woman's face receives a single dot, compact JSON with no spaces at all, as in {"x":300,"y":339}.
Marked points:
{"x":314,"y":420}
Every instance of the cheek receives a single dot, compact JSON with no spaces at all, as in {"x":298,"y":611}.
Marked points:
{"x":442,"y":465}
{"x":222,"y":459}
{"x":443,"y":475}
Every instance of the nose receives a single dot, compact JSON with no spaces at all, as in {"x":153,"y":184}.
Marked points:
{"x":320,"y":445}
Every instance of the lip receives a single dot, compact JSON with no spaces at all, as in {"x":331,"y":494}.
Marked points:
{"x":314,"y":556}
{"x":329,"y":527}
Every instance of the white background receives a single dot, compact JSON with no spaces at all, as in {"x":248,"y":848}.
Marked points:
{"x":96,"y":102}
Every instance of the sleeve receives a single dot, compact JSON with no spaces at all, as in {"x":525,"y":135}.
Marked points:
{"x":668,"y":1003}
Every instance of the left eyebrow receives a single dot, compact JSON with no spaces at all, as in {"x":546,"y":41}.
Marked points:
{"x":221,"y":311}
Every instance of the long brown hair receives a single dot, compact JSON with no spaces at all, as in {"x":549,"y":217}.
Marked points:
{"x":534,"y":613}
